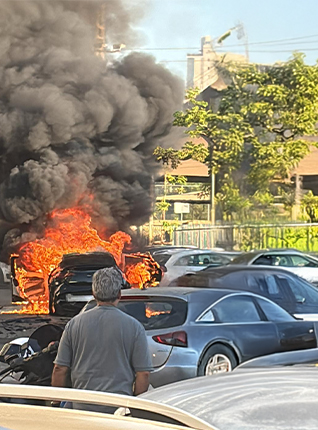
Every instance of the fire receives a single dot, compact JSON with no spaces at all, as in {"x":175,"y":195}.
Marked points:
{"x":68,"y":231}
{"x":138,"y":275}
{"x":150,"y":312}
{"x":144,"y":273}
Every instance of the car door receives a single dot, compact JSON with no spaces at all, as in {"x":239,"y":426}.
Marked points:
{"x":292,"y":334}
{"x":193,"y":262}
{"x":237,"y":320}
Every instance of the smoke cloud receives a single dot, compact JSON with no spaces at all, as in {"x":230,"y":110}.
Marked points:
{"x":76,"y":129}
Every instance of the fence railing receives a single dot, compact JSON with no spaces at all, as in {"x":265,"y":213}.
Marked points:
{"x":250,"y":236}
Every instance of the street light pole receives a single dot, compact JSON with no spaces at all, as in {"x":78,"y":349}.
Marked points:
{"x":212,"y":183}
{"x":212,"y":196}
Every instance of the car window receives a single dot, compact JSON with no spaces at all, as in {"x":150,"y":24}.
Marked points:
{"x":202,"y":260}
{"x":265,"y":260}
{"x":155,"y":314}
{"x":183,"y":261}
{"x":207,"y":316}
{"x":300,"y":261}
{"x":274,"y":312}
{"x":303,"y":291}
{"x":257,"y":284}
{"x":242,"y":259}
{"x":236,"y":309}
{"x":217,"y":259}
{"x":161,"y":258}
{"x":281,"y":260}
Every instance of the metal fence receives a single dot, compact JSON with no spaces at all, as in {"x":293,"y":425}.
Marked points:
{"x":250,"y":236}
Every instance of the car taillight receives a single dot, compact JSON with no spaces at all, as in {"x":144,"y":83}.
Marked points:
{"x":177,"y":338}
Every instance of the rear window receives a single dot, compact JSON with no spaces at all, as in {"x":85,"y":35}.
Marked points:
{"x":161,"y":258}
{"x":156,"y":314}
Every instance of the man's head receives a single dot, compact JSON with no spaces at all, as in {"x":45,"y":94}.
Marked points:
{"x":107,"y":284}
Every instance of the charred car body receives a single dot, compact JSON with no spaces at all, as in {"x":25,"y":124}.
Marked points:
{"x":70,"y":284}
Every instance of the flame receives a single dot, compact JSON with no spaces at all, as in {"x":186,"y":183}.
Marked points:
{"x":144,"y":273}
{"x":138,"y":275}
{"x":68,"y":231}
{"x":150,"y":312}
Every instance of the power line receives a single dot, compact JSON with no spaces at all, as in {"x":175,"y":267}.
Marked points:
{"x":276,"y":42}
{"x":282,"y":51}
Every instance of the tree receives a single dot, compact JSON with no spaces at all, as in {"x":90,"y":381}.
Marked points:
{"x":233,"y":205}
{"x":260,"y":122}
{"x":309,"y":204}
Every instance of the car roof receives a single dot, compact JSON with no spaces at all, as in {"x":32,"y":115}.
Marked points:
{"x":275,"y":250}
{"x":184,"y":293}
{"x":287,"y":358}
{"x":13,"y":391}
{"x":40,"y":417}
{"x":220,"y":271}
{"x":196,"y":252}
{"x":267,"y":399}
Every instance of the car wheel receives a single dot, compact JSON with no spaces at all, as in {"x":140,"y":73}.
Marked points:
{"x":217,"y":359}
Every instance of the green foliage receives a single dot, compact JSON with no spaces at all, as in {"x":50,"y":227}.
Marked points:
{"x":262,"y":202}
{"x":234,"y":207}
{"x":309,"y":205}
{"x":260,"y":121}
{"x":287,"y":198}
{"x":162,"y":206}
{"x":280,"y":104}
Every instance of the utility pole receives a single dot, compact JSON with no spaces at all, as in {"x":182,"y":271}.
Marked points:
{"x":212,"y":181}
{"x":298,"y":187}
{"x":212,"y":197}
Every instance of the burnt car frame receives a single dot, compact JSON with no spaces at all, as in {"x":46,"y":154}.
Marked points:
{"x":70,"y":284}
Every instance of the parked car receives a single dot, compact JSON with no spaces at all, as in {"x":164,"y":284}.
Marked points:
{"x":194,"y":331}
{"x":297,"y":262}
{"x":15,"y":416}
{"x":175,"y":263}
{"x":269,"y":399}
{"x":70,"y":284}
{"x":291,"y":358}
{"x":5,"y":284}
{"x":153,"y":249}
{"x":294,"y":294}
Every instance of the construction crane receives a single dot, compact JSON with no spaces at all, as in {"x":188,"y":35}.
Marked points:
{"x":101,"y":47}
{"x":241,"y":34}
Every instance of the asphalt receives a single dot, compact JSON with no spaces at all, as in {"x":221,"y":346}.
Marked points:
{"x":13,"y":326}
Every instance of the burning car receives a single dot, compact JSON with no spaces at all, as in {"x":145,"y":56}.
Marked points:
{"x":70,"y":284}
{"x":54,"y":273}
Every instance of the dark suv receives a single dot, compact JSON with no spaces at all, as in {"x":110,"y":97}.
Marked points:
{"x":288,"y":290}
{"x":70,"y":284}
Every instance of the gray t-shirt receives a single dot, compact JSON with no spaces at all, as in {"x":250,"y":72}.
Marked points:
{"x":104,"y":348}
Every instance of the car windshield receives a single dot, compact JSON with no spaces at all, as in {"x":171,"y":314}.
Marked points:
{"x":154,"y":313}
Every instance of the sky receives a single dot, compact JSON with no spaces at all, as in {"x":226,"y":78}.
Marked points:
{"x":178,"y":25}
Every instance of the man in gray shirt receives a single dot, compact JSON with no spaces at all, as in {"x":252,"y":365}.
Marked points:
{"x":104,"y":349}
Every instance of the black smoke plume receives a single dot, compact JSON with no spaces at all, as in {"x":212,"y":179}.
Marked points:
{"x":76,"y":129}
